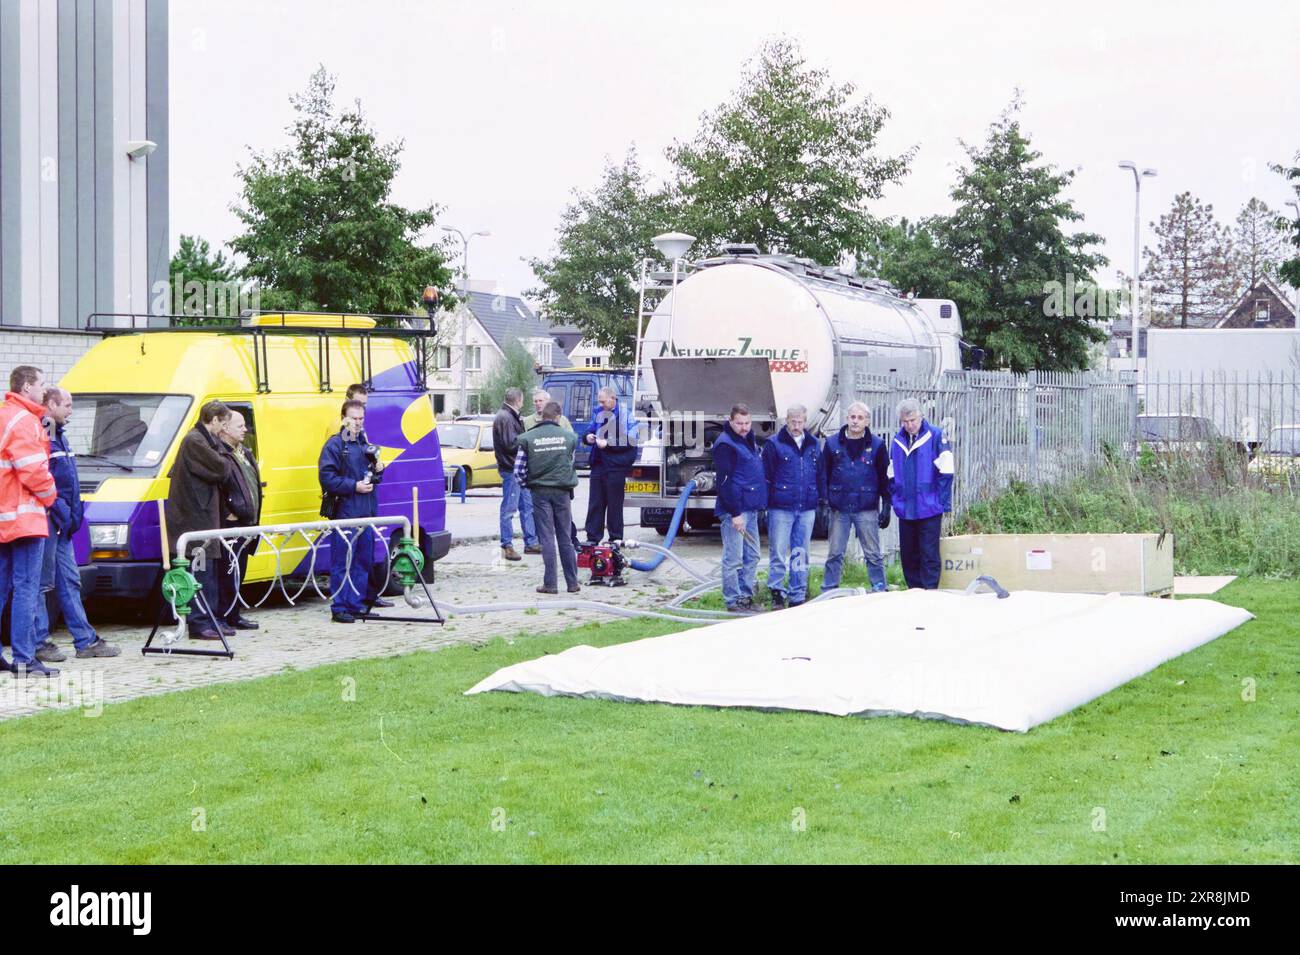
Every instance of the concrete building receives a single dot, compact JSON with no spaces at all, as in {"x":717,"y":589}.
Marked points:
{"x":83,"y":170}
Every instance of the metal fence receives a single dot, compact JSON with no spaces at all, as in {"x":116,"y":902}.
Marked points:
{"x":1048,"y":427}
{"x":1040,"y":427}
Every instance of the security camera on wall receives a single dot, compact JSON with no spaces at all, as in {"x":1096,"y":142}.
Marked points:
{"x":139,"y":148}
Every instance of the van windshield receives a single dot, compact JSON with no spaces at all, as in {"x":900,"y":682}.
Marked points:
{"x":131,"y":430}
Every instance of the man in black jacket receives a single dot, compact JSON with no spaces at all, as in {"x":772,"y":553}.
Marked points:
{"x":506,"y":428}
{"x":243,"y":509}
{"x":199,"y":479}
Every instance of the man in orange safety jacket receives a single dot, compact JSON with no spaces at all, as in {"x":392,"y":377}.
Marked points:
{"x":27,"y":490}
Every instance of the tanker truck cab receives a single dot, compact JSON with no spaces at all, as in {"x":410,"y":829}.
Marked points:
{"x":139,"y":390}
{"x":771,"y":331}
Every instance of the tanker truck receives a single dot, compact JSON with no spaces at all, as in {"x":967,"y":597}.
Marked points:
{"x":770,"y":331}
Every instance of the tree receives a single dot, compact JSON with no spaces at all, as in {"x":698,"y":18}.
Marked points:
{"x":517,"y":370}
{"x":1004,"y":249}
{"x":1190,"y":271}
{"x":593,"y":280}
{"x":789,"y":163}
{"x":1257,"y":246}
{"x":909,"y":256}
{"x":320,"y":229}
{"x":205,"y":288}
{"x":1290,"y":269}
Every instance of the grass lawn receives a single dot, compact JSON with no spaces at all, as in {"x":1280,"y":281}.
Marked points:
{"x":1173,"y":767}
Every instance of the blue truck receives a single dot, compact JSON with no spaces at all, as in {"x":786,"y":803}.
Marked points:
{"x":575,"y":390}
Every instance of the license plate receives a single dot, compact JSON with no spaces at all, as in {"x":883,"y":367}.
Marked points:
{"x":641,"y":487}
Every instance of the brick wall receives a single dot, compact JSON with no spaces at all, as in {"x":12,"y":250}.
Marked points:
{"x":53,"y":352}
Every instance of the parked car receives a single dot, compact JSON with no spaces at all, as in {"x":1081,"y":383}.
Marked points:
{"x":1279,"y":456}
{"x":467,"y":443}
{"x":1170,"y":433}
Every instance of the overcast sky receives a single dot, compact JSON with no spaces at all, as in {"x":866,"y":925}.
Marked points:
{"x":507,"y":107}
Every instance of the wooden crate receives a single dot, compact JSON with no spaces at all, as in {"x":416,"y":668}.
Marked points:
{"x":1064,"y":563}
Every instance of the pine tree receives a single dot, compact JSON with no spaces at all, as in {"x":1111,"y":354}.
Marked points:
{"x":1257,"y":246}
{"x":1190,"y":271}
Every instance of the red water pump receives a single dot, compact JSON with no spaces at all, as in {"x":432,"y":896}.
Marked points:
{"x":606,"y":563}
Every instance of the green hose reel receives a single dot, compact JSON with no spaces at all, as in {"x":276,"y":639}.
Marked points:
{"x":408,"y":562}
{"x":179,"y":586}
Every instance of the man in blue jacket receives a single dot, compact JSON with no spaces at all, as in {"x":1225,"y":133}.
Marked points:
{"x":795,"y":484}
{"x":742,"y":493}
{"x":60,"y":574}
{"x":348,"y":478}
{"x":613,"y":437}
{"x":920,"y":470}
{"x":857,"y":491}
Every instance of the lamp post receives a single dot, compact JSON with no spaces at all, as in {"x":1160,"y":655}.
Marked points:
{"x":672,"y":246}
{"x":1134,"y":306}
{"x":464,"y":321}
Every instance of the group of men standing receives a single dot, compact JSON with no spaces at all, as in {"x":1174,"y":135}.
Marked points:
{"x":535,"y":457}
{"x":854,"y":474}
{"x":215,"y":483}
{"x":40,"y":510}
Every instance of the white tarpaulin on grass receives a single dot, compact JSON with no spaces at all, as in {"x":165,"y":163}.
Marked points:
{"x":1011,"y":663}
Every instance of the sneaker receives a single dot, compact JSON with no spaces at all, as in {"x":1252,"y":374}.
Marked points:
{"x":745,"y":603}
{"x":533,"y":549}
{"x":509,"y":553}
{"x":49,"y":652}
{"x":99,"y":649}
{"x":343,"y":617}
{"x":778,"y":600}
{"x":5,"y":665}
{"x":794,"y":603}
{"x":35,"y":668}
{"x":547,"y":590}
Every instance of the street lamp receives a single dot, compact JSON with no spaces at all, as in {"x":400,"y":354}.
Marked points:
{"x":464,"y":322}
{"x":1137,"y":250}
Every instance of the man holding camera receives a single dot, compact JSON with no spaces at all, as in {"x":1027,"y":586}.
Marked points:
{"x":349,"y":471}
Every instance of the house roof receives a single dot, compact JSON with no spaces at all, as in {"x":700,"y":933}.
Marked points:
{"x":1267,"y":281}
{"x":567,"y":337}
{"x":507,"y":318}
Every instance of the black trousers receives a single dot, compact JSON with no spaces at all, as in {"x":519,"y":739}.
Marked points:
{"x":605,"y":503}
{"x":918,"y":543}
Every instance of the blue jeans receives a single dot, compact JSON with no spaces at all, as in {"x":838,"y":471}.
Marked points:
{"x":20,"y":575}
{"x":60,"y":575}
{"x":350,"y":585}
{"x":516,"y":498}
{"x":867,"y":526}
{"x":739,"y":559}
{"x":788,"y":535}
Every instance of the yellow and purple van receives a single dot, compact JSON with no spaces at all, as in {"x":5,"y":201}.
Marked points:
{"x":137,"y":392}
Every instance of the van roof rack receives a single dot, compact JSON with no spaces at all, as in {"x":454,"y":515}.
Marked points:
{"x":421,"y":339}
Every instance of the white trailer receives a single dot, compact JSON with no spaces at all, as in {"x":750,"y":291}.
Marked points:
{"x":1242,"y":380}
{"x":771,"y":331}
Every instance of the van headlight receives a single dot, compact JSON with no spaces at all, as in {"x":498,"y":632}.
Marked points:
{"x":109,"y":535}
